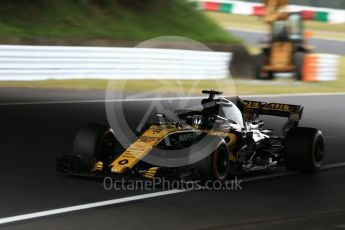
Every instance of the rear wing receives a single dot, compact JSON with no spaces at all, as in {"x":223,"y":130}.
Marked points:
{"x":273,"y":109}
{"x":292,"y":112}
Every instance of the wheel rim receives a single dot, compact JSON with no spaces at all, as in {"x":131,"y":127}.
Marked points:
{"x":106,"y":148}
{"x":319,"y":153}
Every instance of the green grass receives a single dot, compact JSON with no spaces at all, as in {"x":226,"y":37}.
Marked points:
{"x":113,"y":20}
{"x":320,"y":29}
{"x":243,"y":87}
{"x":125,"y":85}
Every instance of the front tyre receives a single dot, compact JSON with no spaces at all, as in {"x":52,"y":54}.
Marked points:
{"x":304,"y":150}
{"x":95,"y":142}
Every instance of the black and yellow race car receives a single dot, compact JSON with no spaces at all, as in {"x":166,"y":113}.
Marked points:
{"x":224,"y":137}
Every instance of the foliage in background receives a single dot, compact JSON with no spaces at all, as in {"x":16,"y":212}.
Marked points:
{"x":107,"y":19}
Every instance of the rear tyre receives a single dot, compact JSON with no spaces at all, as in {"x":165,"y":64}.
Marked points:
{"x":304,"y":150}
{"x":299,"y":63}
{"x":95,"y":142}
{"x":216,"y":166}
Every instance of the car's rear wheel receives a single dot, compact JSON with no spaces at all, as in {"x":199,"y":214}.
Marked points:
{"x":216,"y":166}
{"x":304,"y":149}
{"x":95,"y":142}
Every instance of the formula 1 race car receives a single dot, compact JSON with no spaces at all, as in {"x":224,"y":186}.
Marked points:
{"x":231,"y":140}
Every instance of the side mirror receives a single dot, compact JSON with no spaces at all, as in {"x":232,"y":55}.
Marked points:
{"x":160,"y":115}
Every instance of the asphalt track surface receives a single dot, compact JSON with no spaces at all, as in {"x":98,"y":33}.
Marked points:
{"x":33,"y":134}
{"x":328,"y":46}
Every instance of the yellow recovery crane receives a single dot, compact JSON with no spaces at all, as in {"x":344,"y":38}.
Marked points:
{"x":285,"y":50}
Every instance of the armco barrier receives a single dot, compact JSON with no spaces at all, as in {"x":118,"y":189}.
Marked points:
{"x":56,"y":62}
{"x":320,"y":67}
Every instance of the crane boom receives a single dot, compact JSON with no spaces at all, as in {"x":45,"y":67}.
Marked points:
{"x":275,"y":10}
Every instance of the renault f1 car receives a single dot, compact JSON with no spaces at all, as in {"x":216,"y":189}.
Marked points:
{"x":231,"y":139}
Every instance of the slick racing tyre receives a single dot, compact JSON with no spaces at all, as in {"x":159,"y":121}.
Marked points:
{"x":304,"y":150}
{"x":95,"y":142}
{"x":216,"y":166}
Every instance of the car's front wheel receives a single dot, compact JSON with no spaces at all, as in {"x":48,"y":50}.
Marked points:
{"x":95,"y":142}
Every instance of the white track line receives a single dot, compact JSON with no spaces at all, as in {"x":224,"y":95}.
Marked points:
{"x":85,"y":206}
{"x":166,"y":99}
{"x":35,"y":215}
